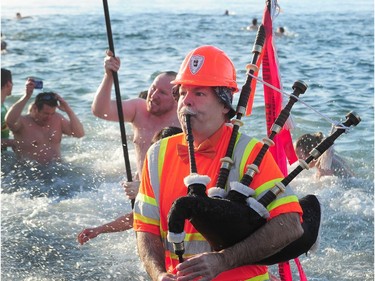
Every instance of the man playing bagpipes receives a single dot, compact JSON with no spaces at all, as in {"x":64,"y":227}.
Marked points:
{"x":205,"y":86}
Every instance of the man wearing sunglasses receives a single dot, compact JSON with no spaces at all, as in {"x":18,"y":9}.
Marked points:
{"x":38,"y":134}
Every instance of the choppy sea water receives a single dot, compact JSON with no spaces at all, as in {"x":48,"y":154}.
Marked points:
{"x":330,"y":46}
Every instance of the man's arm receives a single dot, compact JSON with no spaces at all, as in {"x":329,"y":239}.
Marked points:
{"x":151,"y":252}
{"x":102,"y":106}
{"x":73,"y":127}
{"x":122,"y":223}
{"x":266,"y":241}
{"x":13,"y":117}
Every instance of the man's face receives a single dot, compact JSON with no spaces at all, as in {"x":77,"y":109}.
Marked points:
{"x":8,"y":88}
{"x":159,"y":98}
{"x":42,"y":117}
{"x":208,"y":113}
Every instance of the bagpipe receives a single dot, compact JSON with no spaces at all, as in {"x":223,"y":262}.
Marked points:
{"x":226,"y":218}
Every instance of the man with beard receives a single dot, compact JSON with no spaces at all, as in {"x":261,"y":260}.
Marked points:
{"x":38,"y":134}
{"x":147,"y":116}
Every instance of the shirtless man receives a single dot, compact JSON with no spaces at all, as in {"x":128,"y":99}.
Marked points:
{"x":38,"y":134}
{"x":146,"y":116}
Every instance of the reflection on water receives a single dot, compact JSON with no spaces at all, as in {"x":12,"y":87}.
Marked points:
{"x":54,"y":180}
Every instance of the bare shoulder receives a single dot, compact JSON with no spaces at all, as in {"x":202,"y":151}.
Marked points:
{"x":22,"y":122}
{"x":25,"y":119}
{"x":59,"y":120}
{"x":138,"y":108}
{"x":137,"y":102}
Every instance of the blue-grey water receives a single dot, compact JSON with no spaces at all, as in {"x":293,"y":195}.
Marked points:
{"x":329,"y":45}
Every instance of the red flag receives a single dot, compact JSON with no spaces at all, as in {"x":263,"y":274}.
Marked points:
{"x":249,"y":106}
{"x":283,"y":148}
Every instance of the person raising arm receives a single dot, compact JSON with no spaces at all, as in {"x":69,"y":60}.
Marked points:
{"x":146,"y":116}
{"x":38,"y":134}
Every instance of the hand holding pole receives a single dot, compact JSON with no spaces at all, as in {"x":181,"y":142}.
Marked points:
{"x":118,"y":97}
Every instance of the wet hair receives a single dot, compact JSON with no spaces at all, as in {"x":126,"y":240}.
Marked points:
{"x":307,"y":142}
{"x":170,"y":73}
{"x":176,"y":91}
{"x":6,"y":76}
{"x":255,"y":21}
{"x":225,"y":95}
{"x":48,"y":98}
{"x":143,"y":94}
{"x":166,"y":132}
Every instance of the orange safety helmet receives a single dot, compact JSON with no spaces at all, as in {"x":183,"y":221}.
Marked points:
{"x":207,"y":66}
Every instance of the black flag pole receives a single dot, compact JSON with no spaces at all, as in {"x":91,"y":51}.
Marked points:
{"x":118,"y":96}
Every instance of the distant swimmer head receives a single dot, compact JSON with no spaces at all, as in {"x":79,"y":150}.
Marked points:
{"x":280,"y":30}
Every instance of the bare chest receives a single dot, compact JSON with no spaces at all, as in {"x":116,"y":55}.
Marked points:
{"x":35,"y":135}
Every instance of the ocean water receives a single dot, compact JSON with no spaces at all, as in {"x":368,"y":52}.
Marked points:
{"x":329,"y":45}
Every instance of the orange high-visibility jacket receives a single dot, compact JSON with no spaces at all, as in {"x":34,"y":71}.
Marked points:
{"x":162,"y":183}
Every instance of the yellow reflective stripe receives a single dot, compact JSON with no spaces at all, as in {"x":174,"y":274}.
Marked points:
{"x":146,"y":219}
{"x":249,"y":147}
{"x":188,"y":236}
{"x":162,"y":150}
{"x":281,"y":201}
{"x":194,"y":236}
{"x":175,"y":257}
{"x":262,"y":277}
{"x":146,"y":199}
{"x":267,"y":185}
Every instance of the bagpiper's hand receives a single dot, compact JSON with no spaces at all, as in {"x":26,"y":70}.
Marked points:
{"x":111,"y":63}
{"x":205,"y":266}
{"x":131,"y":188}
{"x":86,"y":235}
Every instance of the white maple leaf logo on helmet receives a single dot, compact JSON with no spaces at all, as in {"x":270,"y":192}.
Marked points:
{"x":196,"y":63}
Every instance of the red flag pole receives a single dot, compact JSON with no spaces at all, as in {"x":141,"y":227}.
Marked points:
{"x":283,"y":148}
{"x":272,"y":98}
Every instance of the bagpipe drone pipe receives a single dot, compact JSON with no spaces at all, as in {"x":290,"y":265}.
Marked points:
{"x":225,"y":219}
